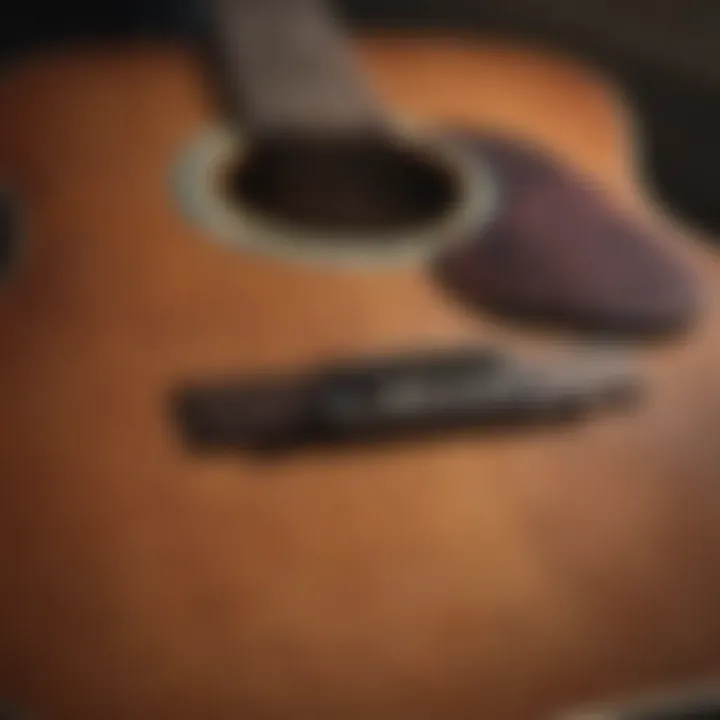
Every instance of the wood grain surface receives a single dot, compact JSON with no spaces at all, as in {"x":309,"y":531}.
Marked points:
{"x":504,"y":579}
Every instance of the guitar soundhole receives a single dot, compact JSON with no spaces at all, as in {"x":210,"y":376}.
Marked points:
{"x":347,"y":188}
{"x":369,"y":202}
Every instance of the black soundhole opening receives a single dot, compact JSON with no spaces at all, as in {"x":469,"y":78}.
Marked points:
{"x":344,"y":187}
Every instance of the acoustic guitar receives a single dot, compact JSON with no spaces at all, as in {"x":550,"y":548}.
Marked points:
{"x":471,"y":576}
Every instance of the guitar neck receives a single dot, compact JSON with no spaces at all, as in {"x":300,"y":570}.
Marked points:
{"x":286,"y":70}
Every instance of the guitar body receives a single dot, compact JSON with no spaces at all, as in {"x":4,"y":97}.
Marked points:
{"x":463,"y":578}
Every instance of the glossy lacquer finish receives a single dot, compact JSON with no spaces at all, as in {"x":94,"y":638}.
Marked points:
{"x":463,"y":578}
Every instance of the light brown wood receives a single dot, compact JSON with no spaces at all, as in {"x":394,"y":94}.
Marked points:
{"x":501,"y":579}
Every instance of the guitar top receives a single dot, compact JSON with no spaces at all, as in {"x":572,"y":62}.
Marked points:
{"x":464,"y":577}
